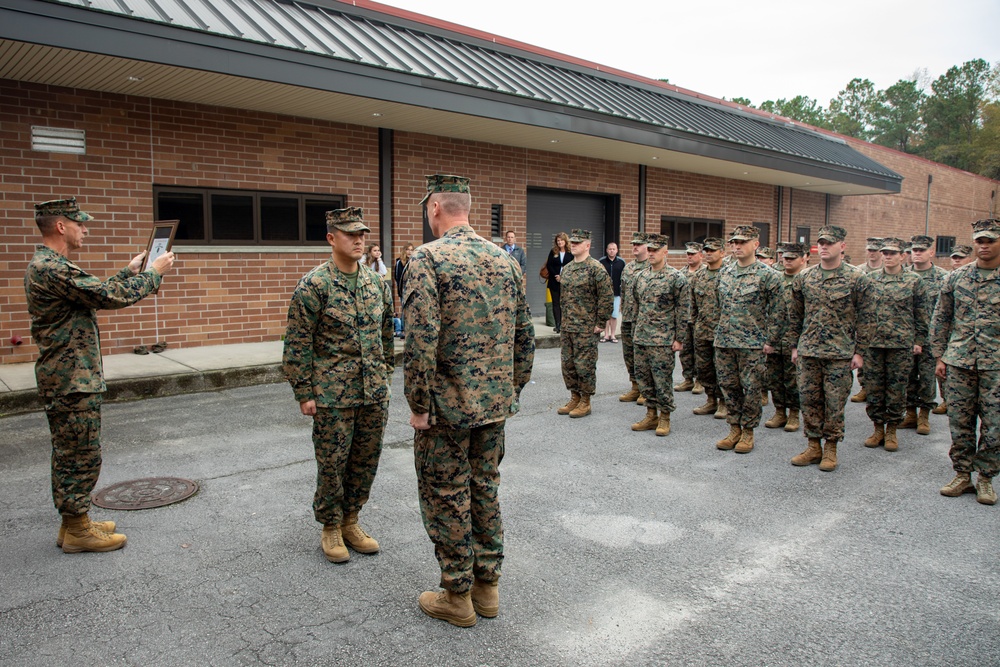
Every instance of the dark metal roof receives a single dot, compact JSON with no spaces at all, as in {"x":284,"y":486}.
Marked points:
{"x":365,"y":37}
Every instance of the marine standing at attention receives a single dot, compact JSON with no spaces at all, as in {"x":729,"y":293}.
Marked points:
{"x":469,"y":349}
{"x":827,"y":344}
{"x":339,"y":358}
{"x":640,"y":255}
{"x":63,"y":301}
{"x":587,"y":303}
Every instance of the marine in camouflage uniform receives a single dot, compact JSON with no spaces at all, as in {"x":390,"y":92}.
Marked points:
{"x":468,"y":354}
{"x":664,"y":305}
{"x":782,"y":376}
{"x":705,"y":315}
{"x":339,"y":358}
{"x":688,"y":364}
{"x":587,"y":300}
{"x":873,"y":246}
{"x":896,"y":317}
{"x":629,"y":309}
{"x":749,"y":293}
{"x":827,"y":344}
{"x":965,"y":339}
{"x":922,"y":387}
{"x":63,"y":301}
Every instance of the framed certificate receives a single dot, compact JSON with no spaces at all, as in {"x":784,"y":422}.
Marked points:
{"x":161,"y":240}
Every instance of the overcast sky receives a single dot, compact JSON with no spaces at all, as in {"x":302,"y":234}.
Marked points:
{"x":760,"y":50}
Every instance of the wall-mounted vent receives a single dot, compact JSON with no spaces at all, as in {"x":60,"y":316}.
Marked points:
{"x":58,"y":140}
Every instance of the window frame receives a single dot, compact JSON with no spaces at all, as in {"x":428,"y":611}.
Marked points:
{"x":334,"y":201}
{"x":668,"y":225}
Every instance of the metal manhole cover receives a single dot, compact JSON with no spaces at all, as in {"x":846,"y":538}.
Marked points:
{"x":141,"y":494}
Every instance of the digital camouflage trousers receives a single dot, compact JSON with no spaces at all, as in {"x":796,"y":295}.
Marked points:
{"x":348,"y":444}
{"x":824,"y":387}
{"x":887,"y":370}
{"x":75,"y":425}
{"x":782,"y":381}
{"x":741,"y":379}
{"x":974,"y":394}
{"x":458,"y":479}
{"x":654,"y":371}
{"x":704,"y":356}
{"x":579,"y":361}
{"x":921,"y":390}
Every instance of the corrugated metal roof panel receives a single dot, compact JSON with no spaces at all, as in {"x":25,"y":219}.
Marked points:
{"x":396,"y":46}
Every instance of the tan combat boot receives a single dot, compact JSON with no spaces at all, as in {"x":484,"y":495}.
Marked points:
{"x":721,"y":412}
{"x":860,"y":397}
{"x":648,"y":423}
{"x":631,"y":395}
{"x":574,"y":400}
{"x":103,"y":526}
{"x":877,"y":437}
{"x":812,"y":454}
{"x":792,"y":424}
{"x":941,"y":409}
{"x":663,"y":427}
{"x":687,"y":385}
{"x":778,"y":420}
{"x":924,"y":422}
{"x":730,"y":440}
{"x":81,"y":535}
{"x":956,"y":487}
{"x":984,"y":490}
{"x":891,"y":442}
{"x":456,"y":608}
{"x":708,"y":408}
{"x":829,"y":461}
{"x":910,"y":420}
{"x":582,"y":408}
{"x":486,"y":598}
{"x":745,"y":445}
{"x":641,"y":400}
{"x":333,"y":545}
{"x":763,"y":398}
{"x":356,"y":537}
{"x":697,"y":388}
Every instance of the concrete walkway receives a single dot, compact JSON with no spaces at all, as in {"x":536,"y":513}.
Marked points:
{"x":182,"y":371}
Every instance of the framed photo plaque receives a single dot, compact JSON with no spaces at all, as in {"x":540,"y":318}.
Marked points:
{"x":161,"y":240}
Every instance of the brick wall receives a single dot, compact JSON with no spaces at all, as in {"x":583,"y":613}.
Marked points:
{"x":231,"y":297}
{"x":134,"y":143}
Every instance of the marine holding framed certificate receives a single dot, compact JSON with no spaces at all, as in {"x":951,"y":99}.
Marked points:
{"x":161,"y":240}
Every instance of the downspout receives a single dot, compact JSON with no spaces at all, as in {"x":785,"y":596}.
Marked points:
{"x":826,"y":218}
{"x":781,"y":191}
{"x":642,"y":197}
{"x":927,"y":210}
{"x":790,"y":198}
{"x":385,"y":192}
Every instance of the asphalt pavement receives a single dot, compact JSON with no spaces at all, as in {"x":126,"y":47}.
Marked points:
{"x":622,"y":548}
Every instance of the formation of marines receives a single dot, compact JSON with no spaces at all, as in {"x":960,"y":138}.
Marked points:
{"x":799,"y":332}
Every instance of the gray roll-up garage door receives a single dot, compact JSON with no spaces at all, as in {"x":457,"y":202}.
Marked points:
{"x":551,"y":212}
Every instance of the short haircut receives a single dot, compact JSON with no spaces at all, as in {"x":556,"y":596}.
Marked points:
{"x":454,"y":203}
{"x":47,"y":223}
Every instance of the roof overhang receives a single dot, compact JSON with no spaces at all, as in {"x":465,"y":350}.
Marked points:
{"x":69,"y":46}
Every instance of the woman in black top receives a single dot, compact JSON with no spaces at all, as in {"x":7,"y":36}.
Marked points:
{"x":559,"y":257}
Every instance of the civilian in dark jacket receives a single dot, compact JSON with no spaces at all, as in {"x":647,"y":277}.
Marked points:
{"x":614,"y":266}
{"x":559,"y":257}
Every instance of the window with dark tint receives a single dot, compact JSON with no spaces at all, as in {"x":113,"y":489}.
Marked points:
{"x":944,"y":245}
{"x":187,"y":207}
{"x":232,"y":217}
{"x":684,"y":230}
{"x":496,"y":220}
{"x":279,"y":218}
{"x":237,"y":217}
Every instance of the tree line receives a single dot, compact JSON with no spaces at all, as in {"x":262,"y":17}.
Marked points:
{"x":955,"y":120}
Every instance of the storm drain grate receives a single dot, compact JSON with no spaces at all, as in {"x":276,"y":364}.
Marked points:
{"x":141,"y":494}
